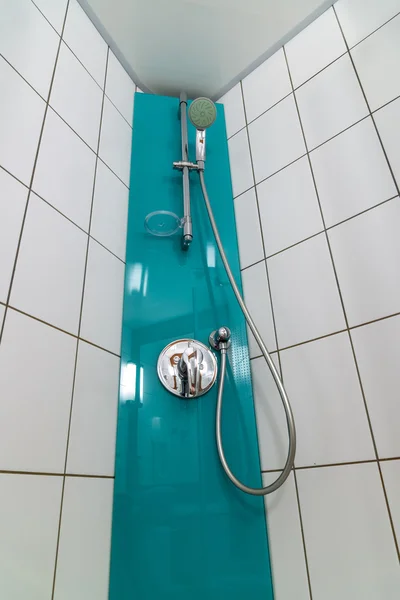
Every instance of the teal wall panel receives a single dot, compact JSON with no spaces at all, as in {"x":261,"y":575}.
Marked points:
{"x":180,"y":528}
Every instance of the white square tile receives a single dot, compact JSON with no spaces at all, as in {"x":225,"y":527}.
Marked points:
{"x":13,"y":197}
{"x":120,"y":88}
{"x":285,"y":541}
{"x":377,"y":63}
{"x":315,"y":47}
{"x":359,"y":18}
{"x":322,"y":384}
{"x":115,"y":142}
{"x":391,"y":476}
{"x":28,"y":42}
{"x":29,"y":515}
{"x":20,"y":128}
{"x":48,"y":279}
{"x":330,"y":102}
{"x":36,"y":375}
{"x":240,"y":163}
{"x":102,"y":305}
{"x":85,"y":41}
{"x":351,"y":173}
{"x":387,"y":120}
{"x":350,"y":548}
{"x":76,"y":97}
{"x":266,"y":85}
{"x":256,"y":295}
{"x":85,"y":540}
{"x":377,"y":348}
{"x":304,"y":293}
{"x":110,"y":211}
{"x":54,"y":11}
{"x":91,"y":448}
{"x":234,"y":110}
{"x":64,"y":174}
{"x":289,"y":207}
{"x":276,"y":139}
{"x":270,"y":416}
{"x":366,"y":251}
{"x":248,"y":229}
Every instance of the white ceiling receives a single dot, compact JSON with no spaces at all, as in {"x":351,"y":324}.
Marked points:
{"x":200,"y":46}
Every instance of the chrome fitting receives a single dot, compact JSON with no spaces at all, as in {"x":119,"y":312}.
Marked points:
{"x":181,"y":164}
{"x":220,"y":339}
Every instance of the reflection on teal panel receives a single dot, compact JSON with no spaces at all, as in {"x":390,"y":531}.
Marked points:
{"x":180,"y":529}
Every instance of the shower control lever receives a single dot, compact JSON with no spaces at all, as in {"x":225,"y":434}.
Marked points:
{"x":189,"y":366}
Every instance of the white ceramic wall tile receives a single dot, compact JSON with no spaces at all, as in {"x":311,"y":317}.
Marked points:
{"x":240,"y":163}
{"x":391,"y":476}
{"x":120,"y":88}
{"x":110,"y":211}
{"x":13,"y":197}
{"x":49,"y":275}
{"x":270,"y":416}
{"x":85,"y":540}
{"x":85,"y":41}
{"x":234,"y":110}
{"x":350,"y":548}
{"x":377,"y":62}
{"x":377,"y":348}
{"x":314,"y":47}
{"x":28,"y":42}
{"x":77,"y":97}
{"x":330,"y":102}
{"x":285,"y":541}
{"x":289,"y":208}
{"x":366,"y":251}
{"x":322,"y":383}
{"x":54,"y":11}
{"x":351,"y":173}
{"x":276,"y":139}
{"x":266,"y":85}
{"x":248,"y":229}
{"x":115,"y":142}
{"x":20,"y":128}
{"x":359,"y":18}
{"x":387,"y":120}
{"x":36,"y":374}
{"x":29,"y":514}
{"x":305,"y":273}
{"x":91,"y":448}
{"x":256,"y":294}
{"x":102,"y":305}
{"x":64,"y":174}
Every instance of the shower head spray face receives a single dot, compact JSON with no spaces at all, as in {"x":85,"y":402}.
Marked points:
{"x":202,"y":113}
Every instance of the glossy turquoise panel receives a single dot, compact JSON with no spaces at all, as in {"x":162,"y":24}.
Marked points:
{"x":180,"y":528}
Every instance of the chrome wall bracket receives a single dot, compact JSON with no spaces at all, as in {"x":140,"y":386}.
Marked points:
{"x":187,"y":368}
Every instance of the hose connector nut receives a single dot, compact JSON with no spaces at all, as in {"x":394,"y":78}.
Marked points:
{"x":220,"y":339}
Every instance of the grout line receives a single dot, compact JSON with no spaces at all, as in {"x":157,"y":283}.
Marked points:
{"x":22,"y":312}
{"x":367,"y":103}
{"x":322,"y":231}
{"x":79,"y":331}
{"x":22,"y":77}
{"x":43,"y":15}
{"x":367,"y":36}
{"x":325,"y":465}
{"x":342,"y":301}
{"x":259,"y":220}
{"x":31,"y":179}
{"x":337,"y":332}
{"x":49,"y":474}
{"x":303,"y":537}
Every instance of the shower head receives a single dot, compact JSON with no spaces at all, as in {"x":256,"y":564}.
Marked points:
{"x":202,"y":113}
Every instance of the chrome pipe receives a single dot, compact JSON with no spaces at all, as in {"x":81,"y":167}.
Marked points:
{"x":282,"y":392}
{"x":187,"y":217}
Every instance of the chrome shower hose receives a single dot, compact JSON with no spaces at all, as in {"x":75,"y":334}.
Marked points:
{"x":285,"y":401}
